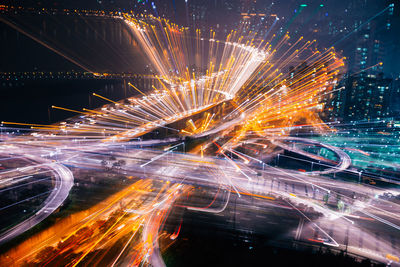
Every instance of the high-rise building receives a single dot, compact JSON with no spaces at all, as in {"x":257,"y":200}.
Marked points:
{"x":334,"y":103}
{"x":394,"y":104}
{"x":369,"y":52}
{"x":366,"y":98}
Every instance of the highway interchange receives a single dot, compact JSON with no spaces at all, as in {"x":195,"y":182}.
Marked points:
{"x":230,"y":185}
{"x":365,"y":224}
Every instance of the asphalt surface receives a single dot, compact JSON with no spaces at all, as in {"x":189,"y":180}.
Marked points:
{"x":251,"y":200}
{"x":63,"y":182}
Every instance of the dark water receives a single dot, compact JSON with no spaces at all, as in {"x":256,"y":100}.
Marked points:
{"x":32,"y":101}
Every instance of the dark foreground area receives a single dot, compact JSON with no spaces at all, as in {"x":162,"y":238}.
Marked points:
{"x":249,"y":232}
{"x":206,"y":250}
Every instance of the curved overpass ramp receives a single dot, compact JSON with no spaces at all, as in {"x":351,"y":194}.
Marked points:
{"x":344,"y":158}
{"x":64,"y":180}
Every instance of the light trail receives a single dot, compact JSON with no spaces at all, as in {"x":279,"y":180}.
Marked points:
{"x":242,"y":89}
{"x":26,"y":199}
{"x":25,"y":184}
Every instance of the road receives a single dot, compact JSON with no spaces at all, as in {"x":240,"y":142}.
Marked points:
{"x":332,"y":213}
{"x":365,"y":216}
{"x":344,"y":161}
{"x":63,"y":182}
